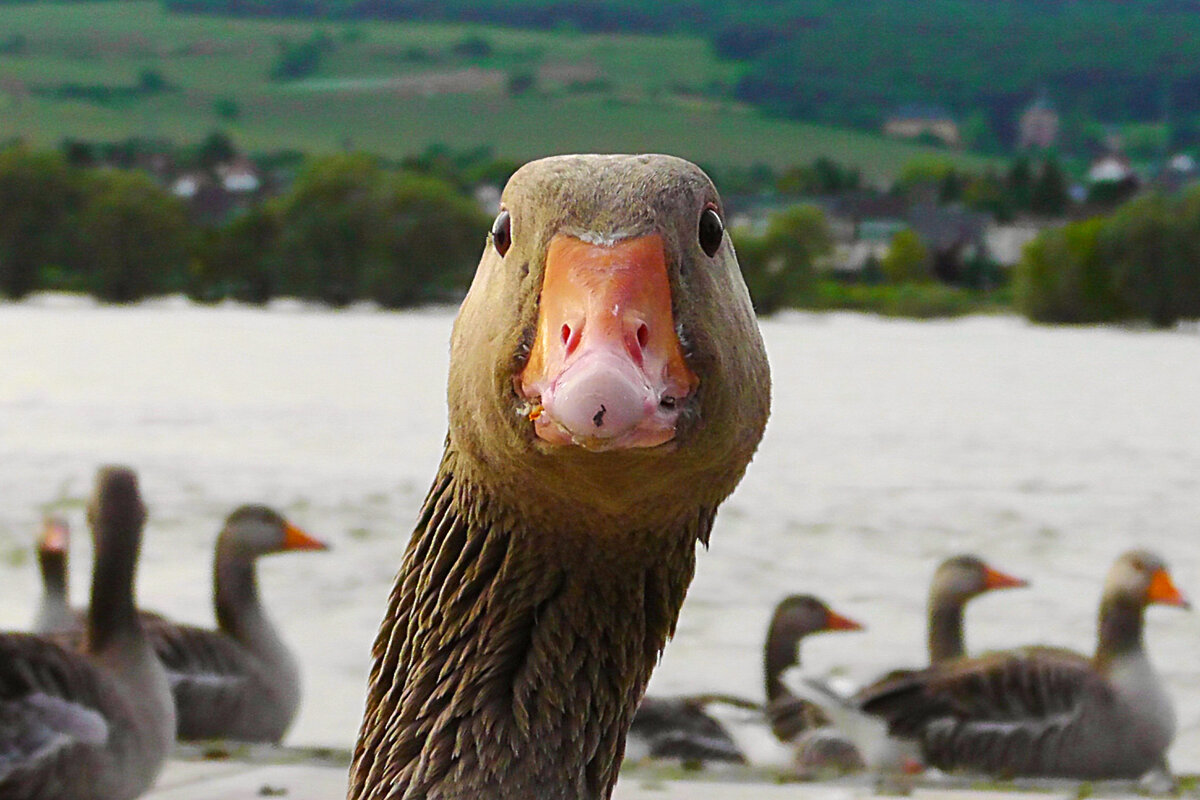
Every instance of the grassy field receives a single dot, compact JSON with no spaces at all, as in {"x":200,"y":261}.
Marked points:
{"x":395,"y":89}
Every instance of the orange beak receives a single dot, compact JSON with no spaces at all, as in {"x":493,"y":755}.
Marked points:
{"x":995,"y":579}
{"x":1162,"y":590}
{"x":296,"y":539}
{"x":836,"y":622}
{"x":56,"y":537}
{"x":606,"y":370}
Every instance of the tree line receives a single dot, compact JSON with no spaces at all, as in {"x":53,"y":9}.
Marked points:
{"x":1142,"y":262}
{"x":349,"y":228}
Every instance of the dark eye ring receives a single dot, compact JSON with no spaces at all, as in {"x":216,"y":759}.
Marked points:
{"x":711,"y":230}
{"x":502,"y":232}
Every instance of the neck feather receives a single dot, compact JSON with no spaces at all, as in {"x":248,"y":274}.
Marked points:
{"x":1121,"y":623}
{"x":112,"y":615}
{"x":781,"y":652}
{"x":945,"y":630}
{"x":235,"y":590}
{"x":510,"y":662}
{"x":54,"y":573}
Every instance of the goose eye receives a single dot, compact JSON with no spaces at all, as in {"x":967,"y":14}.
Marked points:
{"x":711,"y":231}
{"x":502,"y":233}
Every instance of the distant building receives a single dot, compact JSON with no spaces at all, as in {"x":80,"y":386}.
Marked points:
{"x":1110,"y":168}
{"x":1180,"y":172}
{"x":239,"y":177}
{"x":1039,"y":125}
{"x":187,"y":185}
{"x":915,"y":121}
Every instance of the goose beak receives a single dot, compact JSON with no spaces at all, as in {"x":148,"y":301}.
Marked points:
{"x":55,"y":537}
{"x":296,"y":539}
{"x":606,"y":370}
{"x":1162,"y":590}
{"x":995,"y":579}
{"x":836,"y":622}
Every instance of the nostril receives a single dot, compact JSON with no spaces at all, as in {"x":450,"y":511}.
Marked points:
{"x":643,"y":335}
{"x":570,"y":337}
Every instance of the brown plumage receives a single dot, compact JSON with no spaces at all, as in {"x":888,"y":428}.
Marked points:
{"x":96,"y":724}
{"x":550,"y":560}
{"x":239,"y":681}
{"x":795,"y":617}
{"x":1045,"y":711}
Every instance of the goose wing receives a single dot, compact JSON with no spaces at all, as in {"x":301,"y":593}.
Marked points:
{"x":1011,"y":713}
{"x":53,"y":706}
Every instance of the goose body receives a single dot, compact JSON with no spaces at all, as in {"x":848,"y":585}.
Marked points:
{"x":1046,"y":711}
{"x":795,"y":617}
{"x":810,"y":704}
{"x":96,"y":724}
{"x":608,"y":386}
{"x":683,"y":728}
{"x":239,"y":681}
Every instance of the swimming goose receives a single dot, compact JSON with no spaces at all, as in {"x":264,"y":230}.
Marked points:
{"x":239,"y":681}
{"x":96,"y":724}
{"x":608,"y":386}
{"x":1045,"y":711}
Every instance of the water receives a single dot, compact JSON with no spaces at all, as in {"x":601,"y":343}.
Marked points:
{"x":891,"y":445}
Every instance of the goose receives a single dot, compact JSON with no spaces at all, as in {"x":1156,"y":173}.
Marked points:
{"x":608,"y":386}
{"x":54,"y":610}
{"x":94,"y":724}
{"x":683,"y":728}
{"x":795,"y":617}
{"x":844,"y":738}
{"x":957,"y":581}
{"x":238,"y":682}
{"x":1048,"y":712}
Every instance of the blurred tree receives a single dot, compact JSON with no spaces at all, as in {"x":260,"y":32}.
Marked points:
{"x":350,"y":229}
{"x":227,"y":108}
{"x":39,"y":197}
{"x":1020,"y":183}
{"x":1061,"y":277}
{"x":907,"y":259}
{"x":243,"y":260}
{"x":1049,"y":195}
{"x":138,"y":238}
{"x":986,"y":192}
{"x":216,"y":149}
{"x":778,"y":265}
{"x":1143,"y":247}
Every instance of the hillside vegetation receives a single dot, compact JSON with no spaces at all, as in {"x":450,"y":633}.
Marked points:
{"x":1108,"y":60}
{"x":112,"y":70}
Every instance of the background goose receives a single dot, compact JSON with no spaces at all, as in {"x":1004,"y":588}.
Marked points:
{"x":683,"y":728}
{"x":239,"y":681}
{"x":1043,"y":711}
{"x":795,"y":617}
{"x":54,"y":609}
{"x":956,"y":582}
{"x":608,"y":386}
{"x":96,"y":724}
{"x":855,"y":739}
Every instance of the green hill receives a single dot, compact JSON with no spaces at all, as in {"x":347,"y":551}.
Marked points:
{"x":111,"y":70}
